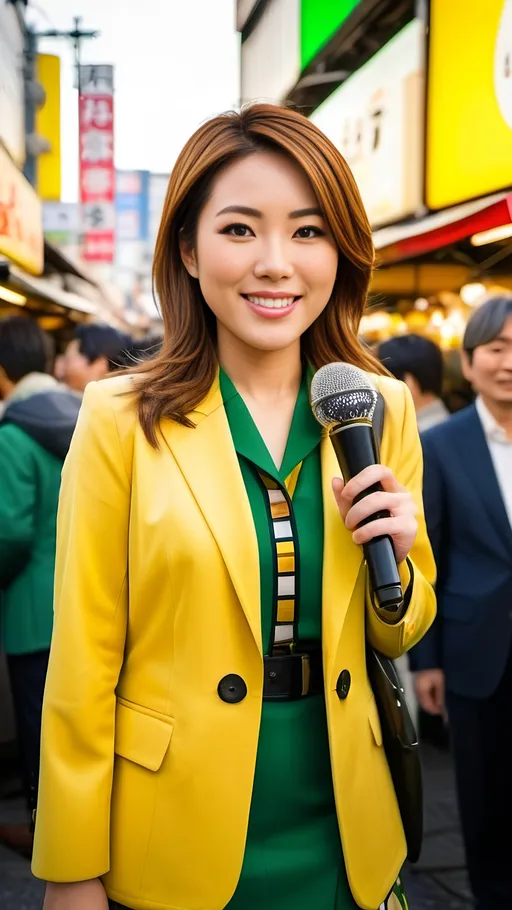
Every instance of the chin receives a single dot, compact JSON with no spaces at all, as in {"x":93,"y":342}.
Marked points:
{"x":272,"y":342}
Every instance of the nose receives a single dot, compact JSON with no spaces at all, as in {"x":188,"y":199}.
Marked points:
{"x":274,"y":261}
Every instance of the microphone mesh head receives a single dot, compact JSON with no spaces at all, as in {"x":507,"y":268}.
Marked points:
{"x":342,"y":392}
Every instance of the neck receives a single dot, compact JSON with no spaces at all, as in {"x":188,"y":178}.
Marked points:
{"x":502,"y":414}
{"x":424,"y":399}
{"x":265,"y":376}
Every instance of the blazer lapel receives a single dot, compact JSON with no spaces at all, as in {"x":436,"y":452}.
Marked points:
{"x":208,"y":461}
{"x":342,"y":561}
{"x":476,"y":462}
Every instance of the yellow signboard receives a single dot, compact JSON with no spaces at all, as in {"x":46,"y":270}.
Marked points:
{"x":21,"y":218}
{"x":48,"y":127}
{"x":469,"y":113}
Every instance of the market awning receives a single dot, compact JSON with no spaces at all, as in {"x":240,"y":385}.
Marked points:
{"x":406,"y":241}
{"x":19,"y":288}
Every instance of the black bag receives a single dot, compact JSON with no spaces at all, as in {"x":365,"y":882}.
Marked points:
{"x":398,"y":734}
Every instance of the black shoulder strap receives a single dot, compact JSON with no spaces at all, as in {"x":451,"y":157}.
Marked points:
{"x":378,"y":419}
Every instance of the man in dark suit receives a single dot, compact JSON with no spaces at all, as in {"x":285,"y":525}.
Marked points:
{"x":464,"y":664}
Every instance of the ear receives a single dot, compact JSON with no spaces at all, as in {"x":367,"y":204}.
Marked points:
{"x":466,"y":365}
{"x":188,"y":258}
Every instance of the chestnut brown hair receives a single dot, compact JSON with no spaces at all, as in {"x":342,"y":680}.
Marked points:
{"x":175,"y":382}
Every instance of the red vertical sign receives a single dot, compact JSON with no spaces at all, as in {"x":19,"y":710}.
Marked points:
{"x":97,"y":172}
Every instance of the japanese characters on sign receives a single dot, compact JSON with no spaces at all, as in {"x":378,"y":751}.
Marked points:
{"x":97,"y":173}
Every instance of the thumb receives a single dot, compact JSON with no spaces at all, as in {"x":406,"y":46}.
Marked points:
{"x":337,"y":486}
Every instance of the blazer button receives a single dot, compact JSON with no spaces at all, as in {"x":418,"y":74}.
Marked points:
{"x":232,"y":689}
{"x":343,"y":684}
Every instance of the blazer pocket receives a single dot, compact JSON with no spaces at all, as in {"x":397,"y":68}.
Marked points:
{"x":141,"y":738}
{"x":373,"y":717}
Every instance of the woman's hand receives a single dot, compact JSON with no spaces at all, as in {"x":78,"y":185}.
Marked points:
{"x":88,"y":895}
{"x":401,"y":526}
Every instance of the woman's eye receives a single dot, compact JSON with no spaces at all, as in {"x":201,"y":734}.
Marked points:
{"x":309,"y":231}
{"x":238,"y":230}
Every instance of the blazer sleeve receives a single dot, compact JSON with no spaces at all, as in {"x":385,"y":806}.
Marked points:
{"x":418,"y":572}
{"x":77,"y":754}
{"x":427,"y":654}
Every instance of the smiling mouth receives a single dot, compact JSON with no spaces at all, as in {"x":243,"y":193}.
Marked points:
{"x":270,"y":303}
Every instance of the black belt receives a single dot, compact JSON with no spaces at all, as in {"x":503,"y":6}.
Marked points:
{"x":291,"y":676}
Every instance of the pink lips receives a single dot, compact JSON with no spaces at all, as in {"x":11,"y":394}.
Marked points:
{"x":272,"y":312}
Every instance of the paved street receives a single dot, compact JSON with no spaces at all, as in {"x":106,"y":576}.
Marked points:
{"x":438,"y":882}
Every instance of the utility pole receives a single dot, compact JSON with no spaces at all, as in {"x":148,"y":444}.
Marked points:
{"x":34,"y":94}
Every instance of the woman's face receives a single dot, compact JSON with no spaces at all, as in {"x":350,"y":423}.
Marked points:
{"x":264,"y":255}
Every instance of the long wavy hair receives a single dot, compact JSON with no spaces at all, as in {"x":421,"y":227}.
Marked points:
{"x":173,"y":383}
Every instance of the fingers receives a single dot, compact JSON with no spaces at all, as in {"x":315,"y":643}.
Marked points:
{"x":376,"y":473}
{"x":394,"y":527}
{"x":430,"y":690}
{"x":394,"y":503}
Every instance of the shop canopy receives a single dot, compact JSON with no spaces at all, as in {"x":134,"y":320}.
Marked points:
{"x":442,"y":229}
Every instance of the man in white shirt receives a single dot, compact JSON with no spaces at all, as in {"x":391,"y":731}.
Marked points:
{"x":465,"y":661}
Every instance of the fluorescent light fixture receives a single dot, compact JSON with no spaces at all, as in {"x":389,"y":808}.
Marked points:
{"x":503,"y":232}
{"x":12,"y":296}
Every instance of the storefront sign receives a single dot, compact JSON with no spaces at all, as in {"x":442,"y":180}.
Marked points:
{"x":469,"y":111}
{"x":21,"y":228}
{"x":270,"y":58}
{"x":320,"y":20}
{"x":376,"y":120}
{"x":97,"y":173}
{"x":12,"y":107}
{"x":48,"y":167}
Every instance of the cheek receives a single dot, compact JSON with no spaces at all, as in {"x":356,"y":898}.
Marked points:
{"x":222,"y":264}
{"x":319,"y":266}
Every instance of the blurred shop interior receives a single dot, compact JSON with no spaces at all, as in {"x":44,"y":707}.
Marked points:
{"x":419,"y":100}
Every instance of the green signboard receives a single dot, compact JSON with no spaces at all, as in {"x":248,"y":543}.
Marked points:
{"x":320,"y":19}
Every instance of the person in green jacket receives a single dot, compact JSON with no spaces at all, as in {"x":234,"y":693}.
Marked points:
{"x":36,"y":426}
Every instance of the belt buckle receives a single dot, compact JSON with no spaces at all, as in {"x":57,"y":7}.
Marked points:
{"x":306,"y":674}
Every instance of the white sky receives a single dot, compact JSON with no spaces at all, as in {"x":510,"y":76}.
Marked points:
{"x":176,"y":63}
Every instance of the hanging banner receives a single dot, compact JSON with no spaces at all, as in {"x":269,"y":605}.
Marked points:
{"x":97,"y":173}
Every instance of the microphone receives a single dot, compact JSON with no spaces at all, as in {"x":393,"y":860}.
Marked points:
{"x":343,"y":399}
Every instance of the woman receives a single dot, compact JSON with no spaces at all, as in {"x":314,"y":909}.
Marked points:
{"x":203,"y":552}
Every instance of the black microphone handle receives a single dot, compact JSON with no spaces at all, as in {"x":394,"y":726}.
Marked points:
{"x":355,"y":450}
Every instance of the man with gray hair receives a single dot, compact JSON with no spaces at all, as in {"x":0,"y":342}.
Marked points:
{"x":464,"y":664}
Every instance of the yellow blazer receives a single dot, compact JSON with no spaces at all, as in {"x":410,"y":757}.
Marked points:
{"x":146,"y":774}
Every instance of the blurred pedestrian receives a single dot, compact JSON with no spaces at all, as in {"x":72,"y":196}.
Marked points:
{"x":95,"y":351}
{"x":35,"y":432}
{"x":187,"y":750}
{"x":465,"y":661}
{"x":418,"y":362}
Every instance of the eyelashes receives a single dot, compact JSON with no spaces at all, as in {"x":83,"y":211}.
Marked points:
{"x":238,"y":229}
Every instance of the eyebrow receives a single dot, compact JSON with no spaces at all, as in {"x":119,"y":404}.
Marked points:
{"x":255,"y":213}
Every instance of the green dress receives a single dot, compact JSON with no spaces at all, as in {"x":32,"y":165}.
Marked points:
{"x":293,"y":857}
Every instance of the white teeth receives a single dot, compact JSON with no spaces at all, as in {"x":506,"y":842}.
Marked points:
{"x":271,"y":303}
